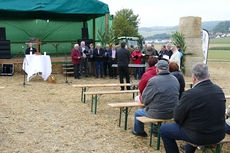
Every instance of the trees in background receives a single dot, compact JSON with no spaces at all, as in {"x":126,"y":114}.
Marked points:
{"x":125,"y":23}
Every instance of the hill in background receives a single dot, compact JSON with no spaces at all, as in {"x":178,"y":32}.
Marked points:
{"x":162,"y":32}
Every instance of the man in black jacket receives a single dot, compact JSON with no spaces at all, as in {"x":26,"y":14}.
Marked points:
{"x":200,"y":115}
{"x":30,"y":49}
{"x":98,"y":54}
{"x":123,"y":57}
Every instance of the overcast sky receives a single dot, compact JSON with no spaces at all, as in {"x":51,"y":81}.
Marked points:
{"x":168,"y":12}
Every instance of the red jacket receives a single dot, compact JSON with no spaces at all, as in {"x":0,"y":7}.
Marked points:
{"x":76,"y":56}
{"x":140,"y":56}
{"x":150,"y":72}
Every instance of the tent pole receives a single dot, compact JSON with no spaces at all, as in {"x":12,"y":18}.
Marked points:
{"x":106,"y":24}
{"x":94,"y":31}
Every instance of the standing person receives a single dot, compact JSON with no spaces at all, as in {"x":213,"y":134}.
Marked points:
{"x":199,"y":116}
{"x":76,"y":60}
{"x":123,"y":58}
{"x":84,"y":60}
{"x":98,"y":54}
{"x":91,"y":61}
{"x":169,"y":49}
{"x":30,"y":49}
{"x":112,"y":60}
{"x":174,"y":70}
{"x":181,"y":55}
{"x":175,"y":56}
{"x":160,"y":97}
{"x":164,"y":52}
{"x":106,"y":59}
{"x":149,"y":52}
{"x":136,"y":57}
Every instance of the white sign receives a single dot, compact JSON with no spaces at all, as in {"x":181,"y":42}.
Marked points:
{"x":205,"y":45}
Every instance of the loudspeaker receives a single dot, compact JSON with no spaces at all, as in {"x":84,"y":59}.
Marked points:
{"x":5,"y":49}
{"x":2,"y":33}
{"x":7,"y":69}
{"x":85,"y":34}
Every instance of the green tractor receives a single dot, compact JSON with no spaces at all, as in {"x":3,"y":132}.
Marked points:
{"x":130,"y":41}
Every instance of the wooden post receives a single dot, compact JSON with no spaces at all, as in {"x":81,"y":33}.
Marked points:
{"x":94,"y":31}
{"x":38,"y":45}
{"x":106,"y":24}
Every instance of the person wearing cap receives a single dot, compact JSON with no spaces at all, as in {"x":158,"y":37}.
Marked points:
{"x":160,"y":97}
{"x":199,"y":116}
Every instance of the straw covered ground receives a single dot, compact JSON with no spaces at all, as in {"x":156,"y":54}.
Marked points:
{"x":48,"y":118}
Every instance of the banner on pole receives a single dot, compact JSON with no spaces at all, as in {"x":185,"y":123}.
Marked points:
{"x":205,"y":45}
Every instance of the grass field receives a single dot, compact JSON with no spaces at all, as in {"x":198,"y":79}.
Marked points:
{"x":220,"y":41}
{"x":219,"y":50}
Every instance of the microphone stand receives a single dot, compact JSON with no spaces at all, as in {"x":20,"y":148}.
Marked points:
{"x":66,"y":62}
{"x":66,"y":80}
{"x":24,"y":82}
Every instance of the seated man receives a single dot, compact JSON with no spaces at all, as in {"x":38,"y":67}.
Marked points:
{"x":200,"y":115}
{"x":160,"y":97}
{"x":30,"y":49}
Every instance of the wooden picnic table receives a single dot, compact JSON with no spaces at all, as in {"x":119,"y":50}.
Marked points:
{"x":84,"y":87}
{"x":124,"y":107}
{"x":96,"y":94}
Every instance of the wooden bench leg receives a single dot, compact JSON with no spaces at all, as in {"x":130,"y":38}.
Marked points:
{"x":217,"y":149}
{"x":126,"y":111}
{"x":82,"y":89}
{"x":126,"y":118}
{"x":92,"y":104}
{"x":84,"y":94}
{"x":95,"y":111}
{"x":120,"y":117}
{"x":158,"y":135}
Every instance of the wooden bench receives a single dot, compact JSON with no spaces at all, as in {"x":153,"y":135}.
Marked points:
{"x":227,"y":97}
{"x":214,"y":148}
{"x":153,"y":121}
{"x":124,"y":107}
{"x":189,"y":83}
{"x":84,"y":87}
{"x":2,"y":87}
{"x":96,"y":94}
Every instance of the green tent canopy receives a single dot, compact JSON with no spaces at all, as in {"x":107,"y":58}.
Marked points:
{"x":58,"y":23}
{"x":81,"y":10}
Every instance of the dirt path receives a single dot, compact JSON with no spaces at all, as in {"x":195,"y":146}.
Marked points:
{"x":48,"y":118}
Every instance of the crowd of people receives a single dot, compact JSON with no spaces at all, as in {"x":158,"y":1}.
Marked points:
{"x":92,"y":60}
{"x":199,"y":113}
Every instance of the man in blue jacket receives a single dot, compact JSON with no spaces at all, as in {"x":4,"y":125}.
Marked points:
{"x":200,"y":115}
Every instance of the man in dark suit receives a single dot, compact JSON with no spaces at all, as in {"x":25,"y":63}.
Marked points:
{"x":98,"y":54}
{"x":30,"y":49}
{"x":199,"y":116}
{"x":123,"y":58}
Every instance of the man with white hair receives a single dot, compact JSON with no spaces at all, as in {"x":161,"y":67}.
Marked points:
{"x":84,"y":61}
{"x":98,"y":54}
{"x":175,"y":56}
{"x":76,"y":60}
{"x":199,"y":116}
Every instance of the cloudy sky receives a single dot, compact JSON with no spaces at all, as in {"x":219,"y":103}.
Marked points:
{"x":168,"y":12}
